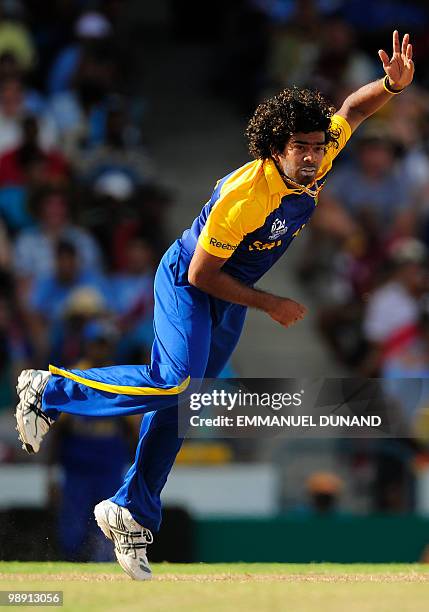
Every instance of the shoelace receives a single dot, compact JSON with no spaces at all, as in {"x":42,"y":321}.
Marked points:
{"x":32,"y":408}
{"x":36,"y":397}
{"x":123,"y":537}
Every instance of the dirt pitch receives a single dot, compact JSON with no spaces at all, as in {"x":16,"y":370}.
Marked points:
{"x":226,"y":587}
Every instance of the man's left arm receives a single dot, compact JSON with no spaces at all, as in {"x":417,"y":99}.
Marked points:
{"x":368,"y":99}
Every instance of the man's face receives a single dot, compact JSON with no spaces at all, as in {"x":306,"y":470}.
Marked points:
{"x":302,"y":156}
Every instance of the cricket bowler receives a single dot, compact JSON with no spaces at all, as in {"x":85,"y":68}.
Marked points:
{"x":203,"y":286}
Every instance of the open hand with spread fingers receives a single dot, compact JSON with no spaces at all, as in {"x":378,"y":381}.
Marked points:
{"x":400,"y":67}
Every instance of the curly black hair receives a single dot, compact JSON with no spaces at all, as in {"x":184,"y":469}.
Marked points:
{"x":290,"y":111}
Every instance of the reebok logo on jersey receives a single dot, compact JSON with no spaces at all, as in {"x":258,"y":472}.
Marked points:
{"x":222,"y":245}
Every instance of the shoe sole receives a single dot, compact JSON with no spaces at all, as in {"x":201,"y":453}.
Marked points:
{"x":100,"y":514}
{"x":24,"y":380}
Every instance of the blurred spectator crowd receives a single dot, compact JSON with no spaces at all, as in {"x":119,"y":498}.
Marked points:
{"x":82,"y":214}
{"x":81,"y":209}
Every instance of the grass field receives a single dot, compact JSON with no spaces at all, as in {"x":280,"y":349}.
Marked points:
{"x":227,"y":587}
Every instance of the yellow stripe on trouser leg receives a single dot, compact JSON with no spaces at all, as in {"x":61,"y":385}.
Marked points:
{"x":120,"y":389}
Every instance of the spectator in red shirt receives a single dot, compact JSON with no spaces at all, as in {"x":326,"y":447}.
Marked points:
{"x":29,"y":162}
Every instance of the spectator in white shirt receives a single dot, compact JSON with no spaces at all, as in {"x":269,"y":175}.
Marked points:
{"x":393,"y":308}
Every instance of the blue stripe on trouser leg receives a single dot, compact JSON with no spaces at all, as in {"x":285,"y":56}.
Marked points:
{"x":184,"y":321}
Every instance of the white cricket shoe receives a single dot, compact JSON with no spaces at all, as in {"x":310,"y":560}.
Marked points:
{"x":31,"y":422}
{"x":130,"y":538}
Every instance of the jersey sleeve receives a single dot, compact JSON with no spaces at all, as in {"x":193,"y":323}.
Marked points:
{"x":233,"y":216}
{"x":340,"y":124}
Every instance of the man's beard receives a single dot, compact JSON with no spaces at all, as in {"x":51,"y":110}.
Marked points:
{"x":306,"y":178}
